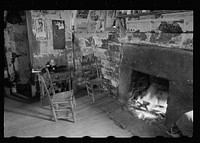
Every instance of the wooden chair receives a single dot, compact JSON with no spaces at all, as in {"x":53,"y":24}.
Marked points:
{"x":63,"y":102}
{"x":97,"y":84}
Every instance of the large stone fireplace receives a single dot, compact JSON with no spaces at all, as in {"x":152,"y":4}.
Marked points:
{"x":158,"y":79}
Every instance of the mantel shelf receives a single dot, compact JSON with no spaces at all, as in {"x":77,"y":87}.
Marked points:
{"x":151,"y":13}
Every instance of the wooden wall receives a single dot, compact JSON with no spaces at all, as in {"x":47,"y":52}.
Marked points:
{"x":16,"y":44}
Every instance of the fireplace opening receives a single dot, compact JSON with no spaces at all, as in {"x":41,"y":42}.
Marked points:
{"x":148,"y":96}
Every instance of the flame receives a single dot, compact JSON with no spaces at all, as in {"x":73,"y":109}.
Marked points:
{"x":153,"y":101}
{"x":157,"y":100}
{"x":145,"y":115}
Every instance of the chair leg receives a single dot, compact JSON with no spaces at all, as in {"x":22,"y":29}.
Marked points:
{"x":101,"y":88}
{"x":74,"y":102}
{"x":87,"y":90}
{"x":90,"y":93}
{"x":73,"y":115}
{"x":108,"y":89}
{"x":54,"y":113}
{"x":93,"y":100}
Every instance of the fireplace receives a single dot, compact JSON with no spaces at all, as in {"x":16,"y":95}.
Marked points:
{"x":149,"y":72}
{"x":148,"y":97}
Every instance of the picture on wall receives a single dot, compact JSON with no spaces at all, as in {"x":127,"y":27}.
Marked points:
{"x":94,"y":15}
{"x":40,"y":29}
{"x":58,"y":34}
{"x":82,"y":14}
{"x":110,"y":18}
{"x":111,"y":13}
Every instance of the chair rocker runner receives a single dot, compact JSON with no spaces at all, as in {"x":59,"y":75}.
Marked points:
{"x":60,"y":103}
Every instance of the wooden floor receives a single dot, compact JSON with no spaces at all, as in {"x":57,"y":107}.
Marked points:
{"x":30,"y":119}
{"x":106,"y":117}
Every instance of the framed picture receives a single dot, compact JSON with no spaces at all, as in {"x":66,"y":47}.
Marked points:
{"x":111,"y":13}
{"x":40,"y":29}
{"x":82,"y":14}
{"x":58,"y":34}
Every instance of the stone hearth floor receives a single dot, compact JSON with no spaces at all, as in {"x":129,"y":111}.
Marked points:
{"x":116,"y":111}
{"x":105,"y":117}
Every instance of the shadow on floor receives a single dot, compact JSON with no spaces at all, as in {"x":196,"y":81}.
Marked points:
{"x":21,"y":98}
{"x":29,"y":114}
{"x":80,"y":93}
{"x":27,"y":101}
{"x":24,"y":101}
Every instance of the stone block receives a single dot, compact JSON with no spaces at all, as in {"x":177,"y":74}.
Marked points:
{"x":109,"y":108}
{"x":180,"y":101}
{"x":124,"y":82}
{"x":121,"y":117}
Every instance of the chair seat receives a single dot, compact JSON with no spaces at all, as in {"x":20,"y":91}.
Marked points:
{"x":63,"y":96}
{"x":96,"y":81}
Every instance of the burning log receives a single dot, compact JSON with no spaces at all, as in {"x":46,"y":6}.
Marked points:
{"x":149,"y":116}
{"x":143,"y":108}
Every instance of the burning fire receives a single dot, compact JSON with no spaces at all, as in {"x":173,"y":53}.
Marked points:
{"x":151,"y":105}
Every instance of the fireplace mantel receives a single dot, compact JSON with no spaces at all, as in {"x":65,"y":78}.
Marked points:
{"x":171,"y":63}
